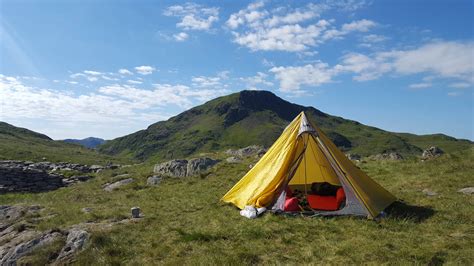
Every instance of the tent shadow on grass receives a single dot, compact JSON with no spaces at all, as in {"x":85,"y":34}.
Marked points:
{"x":402,"y":210}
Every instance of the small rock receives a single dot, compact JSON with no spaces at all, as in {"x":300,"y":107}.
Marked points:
{"x":115,"y":185}
{"x":95,"y":168}
{"x":135,"y":212}
{"x":353,"y":156}
{"x":467,"y":190}
{"x":250,"y":166}
{"x":154,"y":180}
{"x":431,"y":153}
{"x":429,"y":192}
{"x":233,"y":159}
{"x":86,"y":210}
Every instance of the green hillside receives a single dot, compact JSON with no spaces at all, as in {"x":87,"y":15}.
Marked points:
{"x":258,"y":117}
{"x":23,"y":144}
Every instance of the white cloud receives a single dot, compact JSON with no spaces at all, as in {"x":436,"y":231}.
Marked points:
{"x":443,"y":59}
{"x":144,"y":70}
{"x":439,"y":59}
{"x":124,"y":71}
{"x":365,"y":67}
{"x":193,"y":16}
{"x":203,"y":81}
{"x":372,"y":38}
{"x":93,"y":73}
{"x":112,"y":103}
{"x":90,"y":75}
{"x":134,"y":81}
{"x":454,"y":93}
{"x":292,"y":78}
{"x":447,"y":59}
{"x":286,"y":29}
{"x":420,"y":85}
{"x":363,"y":25}
{"x":260,"y":79}
{"x":460,"y":85}
{"x":181,"y":37}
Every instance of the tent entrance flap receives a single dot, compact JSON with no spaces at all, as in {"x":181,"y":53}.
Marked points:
{"x":314,"y":167}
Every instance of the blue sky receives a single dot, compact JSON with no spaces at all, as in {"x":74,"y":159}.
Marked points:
{"x":73,"y":69}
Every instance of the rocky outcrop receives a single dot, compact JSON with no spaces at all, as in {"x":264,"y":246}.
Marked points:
{"x":75,"y":241}
{"x":26,"y":176}
{"x":17,"y":251}
{"x":247,"y":151}
{"x":112,"y":186}
{"x":431,"y":153}
{"x":467,"y":190}
{"x":233,"y":159}
{"x":18,"y":179}
{"x":174,"y":168}
{"x":392,"y":156}
{"x":184,"y":168}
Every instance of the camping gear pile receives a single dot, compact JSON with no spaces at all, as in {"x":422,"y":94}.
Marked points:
{"x":303,"y":171}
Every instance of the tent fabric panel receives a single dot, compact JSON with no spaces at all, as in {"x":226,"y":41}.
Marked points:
{"x":373,"y":196}
{"x":314,"y":167}
{"x":262,"y":184}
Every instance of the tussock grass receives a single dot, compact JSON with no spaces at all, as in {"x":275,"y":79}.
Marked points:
{"x":184,"y":222}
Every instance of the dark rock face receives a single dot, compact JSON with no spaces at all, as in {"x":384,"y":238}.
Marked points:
{"x":340,"y":141}
{"x":431,"y":152}
{"x":26,"y":176}
{"x":184,"y":168}
{"x":17,"y":179}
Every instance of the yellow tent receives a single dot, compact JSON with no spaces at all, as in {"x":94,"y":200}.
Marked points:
{"x":302,"y":155}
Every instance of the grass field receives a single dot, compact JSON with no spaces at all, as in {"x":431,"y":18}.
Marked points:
{"x":184,"y":222}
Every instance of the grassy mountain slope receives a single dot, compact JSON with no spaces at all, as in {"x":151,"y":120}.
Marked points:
{"x":258,"y":117}
{"x":23,"y":144}
{"x":185,"y":224}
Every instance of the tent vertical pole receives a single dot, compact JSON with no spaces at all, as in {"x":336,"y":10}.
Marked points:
{"x":304,"y":158}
